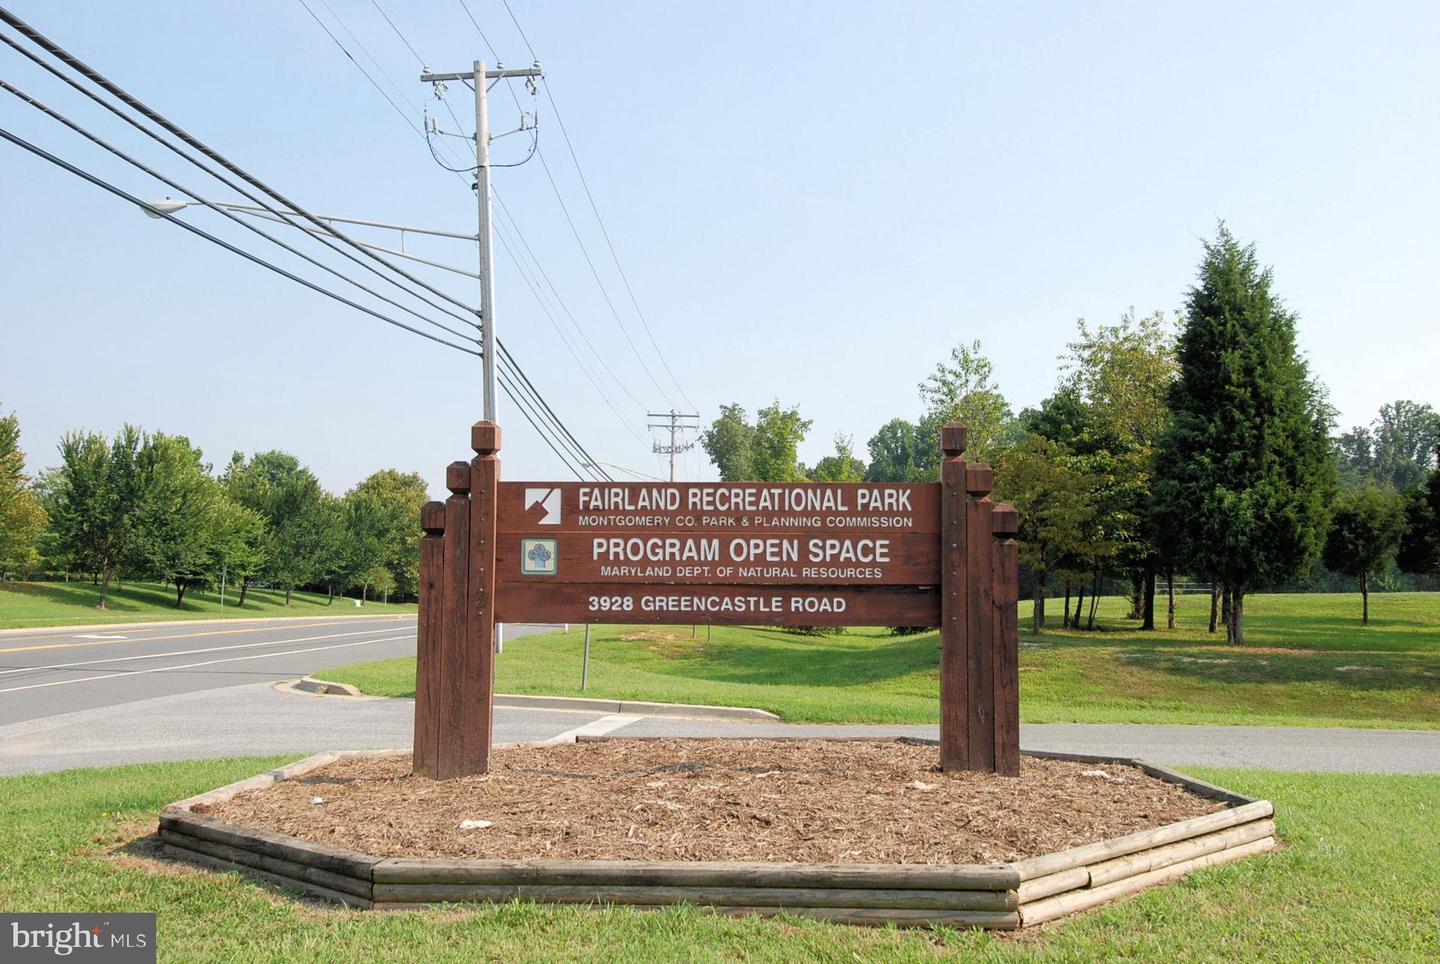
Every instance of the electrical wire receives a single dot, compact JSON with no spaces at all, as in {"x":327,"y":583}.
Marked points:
{"x":74,"y":63}
{"x":516,"y":390}
{"x":594,"y":208}
{"x":100,"y":142}
{"x":145,"y":111}
{"x":144,"y":206}
{"x":550,"y":316}
{"x":285,"y":217}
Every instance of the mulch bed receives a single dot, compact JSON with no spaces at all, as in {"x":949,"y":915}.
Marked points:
{"x":771,"y":800}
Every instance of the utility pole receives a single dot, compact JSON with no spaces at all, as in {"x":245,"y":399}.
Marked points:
{"x":479,"y":78}
{"x":675,"y":422}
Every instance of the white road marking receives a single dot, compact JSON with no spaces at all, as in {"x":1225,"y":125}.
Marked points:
{"x":185,"y":652}
{"x":606,"y":724}
{"x":99,"y":636}
{"x":208,"y":662}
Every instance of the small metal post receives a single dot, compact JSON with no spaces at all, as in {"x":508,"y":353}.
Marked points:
{"x":222,"y":586}
{"x":499,"y":637}
{"x":585,"y":664}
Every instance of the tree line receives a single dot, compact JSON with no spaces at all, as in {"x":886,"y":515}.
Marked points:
{"x":146,"y":505}
{"x":1200,"y":447}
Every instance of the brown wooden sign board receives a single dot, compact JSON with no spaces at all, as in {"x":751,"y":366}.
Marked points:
{"x":780,"y":554}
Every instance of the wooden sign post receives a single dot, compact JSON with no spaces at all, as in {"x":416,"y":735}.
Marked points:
{"x":755,"y":553}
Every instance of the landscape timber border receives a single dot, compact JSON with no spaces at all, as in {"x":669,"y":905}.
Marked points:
{"x":1006,"y":896}
{"x":955,"y":565}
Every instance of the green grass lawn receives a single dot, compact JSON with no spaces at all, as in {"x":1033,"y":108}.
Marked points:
{"x":1307,"y":662}
{"x":1356,"y":880}
{"x":35,"y":604}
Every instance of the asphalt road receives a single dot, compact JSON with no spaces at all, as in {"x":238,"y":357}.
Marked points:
{"x":80,"y":698}
{"x":47,"y":672}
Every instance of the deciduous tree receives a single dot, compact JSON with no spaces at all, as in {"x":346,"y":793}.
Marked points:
{"x":843,"y":466}
{"x":175,"y":513}
{"x":963,"y":389}
{"x":895,"y":453}
{"x":92,"y":502}
{"x":729,"y":441}
{"x":288,"y":497}
{"x":1056,"y":499}
{"x":238,"y":544}
{"x":776,"y":449}
{"x":22,"y":518}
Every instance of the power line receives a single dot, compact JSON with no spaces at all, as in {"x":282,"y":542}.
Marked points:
{"x":491,"y":47}
{"x":504,"y":354}
{"x":554,"y":323}
{"x":596,"y":274}
{"x":284,"y":216}
{"x":145,"y":111}
{"x":418,"y":58}
{"x":421,"y":61}
{"x":595,"y":209}
{"x":149,"y":114}
{"x":520,"y":29}
{"x":95,"y":139}
{"x":585,"y":252}
{"x":142,"y":205}
{"x":545,"y":276}
{"x":513,"y":389}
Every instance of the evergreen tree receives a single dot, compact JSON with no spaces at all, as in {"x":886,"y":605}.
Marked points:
{"x":1366,"y":526}
{"x":1244,"y":468}
{"x":1420,"y":544}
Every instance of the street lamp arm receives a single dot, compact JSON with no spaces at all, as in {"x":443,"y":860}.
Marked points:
{"x":171,"y":205}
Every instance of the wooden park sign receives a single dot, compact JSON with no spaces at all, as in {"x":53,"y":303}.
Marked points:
{"x":754,"y":553}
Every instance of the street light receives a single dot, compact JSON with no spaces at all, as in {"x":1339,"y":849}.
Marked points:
{"x":159,"y":209}
{"x":167,"y":206}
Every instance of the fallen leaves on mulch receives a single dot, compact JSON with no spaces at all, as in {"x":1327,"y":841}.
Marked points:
{"x":814,"y":801}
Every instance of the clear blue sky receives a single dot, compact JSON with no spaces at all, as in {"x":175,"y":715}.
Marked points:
{"x":813,"y":201}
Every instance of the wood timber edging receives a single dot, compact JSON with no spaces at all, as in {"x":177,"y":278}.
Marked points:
{"x":1008,"y":896}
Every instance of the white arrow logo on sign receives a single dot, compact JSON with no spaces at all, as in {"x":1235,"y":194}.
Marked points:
{"x":546,"y":499}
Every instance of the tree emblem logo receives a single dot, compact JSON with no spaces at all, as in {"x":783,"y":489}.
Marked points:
{"x":538,"y":557}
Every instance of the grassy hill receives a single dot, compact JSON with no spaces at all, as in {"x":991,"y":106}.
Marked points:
{"x":38,"y":604}
{"x":1308,"y":662}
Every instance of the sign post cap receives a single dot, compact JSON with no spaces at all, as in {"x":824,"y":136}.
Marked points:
{"x":952,"y":439}
{"x":979,"y":478}
{"x":1004,"y":521}
{"x":485,"y":438}
{"x":457,"y":477}
{"x":432,"y":517}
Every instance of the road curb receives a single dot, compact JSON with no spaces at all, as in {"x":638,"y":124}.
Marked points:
{"x":218,"y":621}
{"x":320,"y":687}
{"x":635,"y":707}
{"x":516,"y":701}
